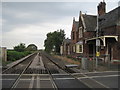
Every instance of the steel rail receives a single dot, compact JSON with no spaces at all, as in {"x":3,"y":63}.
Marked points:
{"x":18,"y":63}
{"x":73,"y":75}
{"x":64,"y":70}
{"x":18,"y":78}
{"x":51,"y":78}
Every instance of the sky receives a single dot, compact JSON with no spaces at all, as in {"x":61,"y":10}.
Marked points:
{"x":29,"y":22}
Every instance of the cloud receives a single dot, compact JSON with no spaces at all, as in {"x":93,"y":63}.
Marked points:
{"x":32,"y":13}
{"x":29,"y":22}
{"x":58,"y":0}
{"x":28,"y":34}
{"x":34,"y":33}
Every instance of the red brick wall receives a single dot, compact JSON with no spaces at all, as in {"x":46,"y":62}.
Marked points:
{"x":89,"y":34}
{"x":117,"y":45}
{"x":75,"y":35}
{"x":116,"y":51}
{"x":86,"y":49}
{"x":101,"y":8}
{"x":114,"y":30}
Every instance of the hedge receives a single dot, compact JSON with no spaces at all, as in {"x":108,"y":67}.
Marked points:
{"x":14,"y":55}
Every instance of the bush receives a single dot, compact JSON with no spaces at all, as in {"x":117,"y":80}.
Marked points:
{"x":14,"y":55}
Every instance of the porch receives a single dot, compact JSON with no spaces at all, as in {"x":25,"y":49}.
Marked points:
{"x":106,"y":48}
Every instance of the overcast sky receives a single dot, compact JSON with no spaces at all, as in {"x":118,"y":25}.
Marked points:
{"x":29,"y":22}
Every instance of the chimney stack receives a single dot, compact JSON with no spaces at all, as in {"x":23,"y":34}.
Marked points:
{"x":101,"y":8}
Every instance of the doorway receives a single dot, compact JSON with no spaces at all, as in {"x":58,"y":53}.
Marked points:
{"x":91,"y":50}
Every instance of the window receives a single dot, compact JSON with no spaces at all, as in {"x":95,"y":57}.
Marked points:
{"x":80,"y":32}
{"x":79,"y":48}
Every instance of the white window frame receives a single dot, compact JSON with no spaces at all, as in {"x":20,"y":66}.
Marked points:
{"x":78,"y":48}
{"x":80,"y":32}
{"x":81,"y":51}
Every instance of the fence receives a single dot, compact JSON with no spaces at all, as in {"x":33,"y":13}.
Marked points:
{"x":103,"y":63}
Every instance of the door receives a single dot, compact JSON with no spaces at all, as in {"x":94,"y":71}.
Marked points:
{"x":91,"y":48}
{"x":110,"y":51}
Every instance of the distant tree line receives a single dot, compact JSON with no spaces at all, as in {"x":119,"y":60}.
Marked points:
{"x":21,"y":47}
{"x":54,"y":40}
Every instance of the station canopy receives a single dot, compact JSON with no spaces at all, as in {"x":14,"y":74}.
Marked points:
{"x":103,"y":38}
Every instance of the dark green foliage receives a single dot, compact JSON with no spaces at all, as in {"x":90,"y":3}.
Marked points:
{"x":31,"y":47}
{"x":20,"y":48}
{"x":14,"y":55}
{"x":20,"y":51}
{"x":54,"y":40}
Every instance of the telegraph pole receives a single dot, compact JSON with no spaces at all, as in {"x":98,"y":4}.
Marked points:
{"x":97,"y":42}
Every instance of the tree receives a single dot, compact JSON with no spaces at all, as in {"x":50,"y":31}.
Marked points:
{"x":54,"y":40}
{"x":31,"y":47}
{"x":20,"y":48}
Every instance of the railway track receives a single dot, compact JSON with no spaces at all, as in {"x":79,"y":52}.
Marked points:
{"x":49,"y":72}
{"x":29,"y":70}
{"x":40,"y":71}
{"x":61,"y":76}
{"x":69,"y":79}
{"x":59,"y":66}
{"x":17,"y":71}
{"x":17,"y":80}
{"x":18,"y":67}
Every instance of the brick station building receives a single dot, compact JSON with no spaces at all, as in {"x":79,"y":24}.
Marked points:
{"x":65,"y":48}
{"x":83,"y":34}
{"x":109,"y":32}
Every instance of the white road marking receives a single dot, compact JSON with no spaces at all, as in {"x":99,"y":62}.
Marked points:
{"x":7,"y":79}
{"x":68,"y":78}
{"x":105,"y":76}
{"x":26,"y":79}
{"x":92,"y":80}
{"x":32,"y":82}
{"x":45,"y":79}
{"x":9,"y":74}
{"x":95,"y":72}
{"x":63,"y":78}
{"x":36,"y":74}
{"x":59,"y":74}
{"x":38,"y":82}
{"x":98,"y":76}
